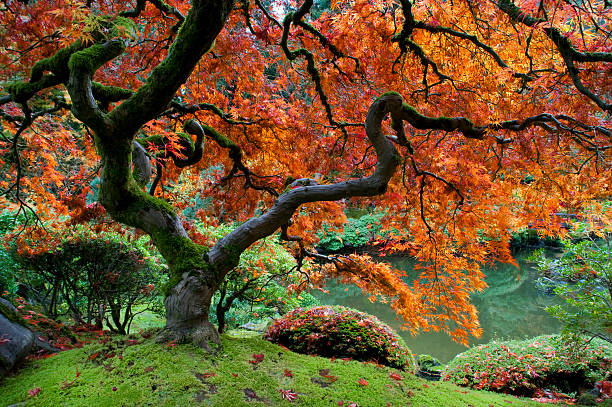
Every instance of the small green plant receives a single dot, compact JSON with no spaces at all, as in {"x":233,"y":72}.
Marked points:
{"x":9,"y":264}
{"x":522,"y":367}
{"x":339,"y":332}
{"x":257,"y":289}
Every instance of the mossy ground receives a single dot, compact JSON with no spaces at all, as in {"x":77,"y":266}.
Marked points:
{"x":150,"y":374}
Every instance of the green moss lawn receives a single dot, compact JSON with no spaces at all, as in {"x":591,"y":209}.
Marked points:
{"x":139,"y":372}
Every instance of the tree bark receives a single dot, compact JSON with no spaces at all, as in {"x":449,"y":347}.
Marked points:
{"x":187,"y":308}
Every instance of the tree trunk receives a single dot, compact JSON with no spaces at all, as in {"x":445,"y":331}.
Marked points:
{"x":187,"y":307}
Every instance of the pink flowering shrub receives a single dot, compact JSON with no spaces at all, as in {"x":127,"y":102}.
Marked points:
{"x":522,"y":367}
{"x":335,"y":331}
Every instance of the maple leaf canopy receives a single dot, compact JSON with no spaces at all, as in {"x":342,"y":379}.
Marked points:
{"x":272,"y":113}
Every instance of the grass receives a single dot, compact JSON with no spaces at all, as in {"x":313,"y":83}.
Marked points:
{"x":140,"y":372}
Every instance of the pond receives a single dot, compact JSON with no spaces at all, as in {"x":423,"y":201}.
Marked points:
{"x":511,"y":308}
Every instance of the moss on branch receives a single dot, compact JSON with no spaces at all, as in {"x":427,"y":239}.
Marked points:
{"x":93,"y":57}
{"x":195,"y":37}
{"x":219,"y":138}
{"x":105,"y":93}
{"x":57,"y":63}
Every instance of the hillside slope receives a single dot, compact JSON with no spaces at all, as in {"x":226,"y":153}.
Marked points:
{"x":139,"y":372}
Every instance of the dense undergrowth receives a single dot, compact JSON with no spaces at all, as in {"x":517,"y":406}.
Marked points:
{"x":117,"y":371}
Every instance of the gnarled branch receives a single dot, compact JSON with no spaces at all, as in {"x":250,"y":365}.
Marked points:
{"x":565,"y":47}
{"x":287,"y":203}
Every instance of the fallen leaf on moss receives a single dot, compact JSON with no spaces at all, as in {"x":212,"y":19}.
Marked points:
{"x":395,"y":376}
{"x":288,"y":395}
{"x":257,"y":358}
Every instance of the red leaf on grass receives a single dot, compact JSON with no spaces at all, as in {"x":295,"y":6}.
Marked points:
{"x":287,"y":373}
{"x":93,"y":356}
{"x":362,"y":382}
{"x":235,"y":374}
{"x":257,"y":358}
{"x":395,"y":376}
{"x":288,"y":395}
{"x":34,"y":392}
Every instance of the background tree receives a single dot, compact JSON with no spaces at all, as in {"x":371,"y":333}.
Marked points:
{"x":95,"y":279}
{"x":131,"y":95}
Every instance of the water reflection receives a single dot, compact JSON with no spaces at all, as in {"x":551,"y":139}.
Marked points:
{"x":510,"y":308}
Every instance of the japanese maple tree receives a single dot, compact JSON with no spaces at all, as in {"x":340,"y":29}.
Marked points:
{"x":275,"y":116}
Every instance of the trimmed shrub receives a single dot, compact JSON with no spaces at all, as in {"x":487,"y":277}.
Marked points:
{"x":522,"y":367}
{"x":335,"y":331}
{"x":430,"y":368}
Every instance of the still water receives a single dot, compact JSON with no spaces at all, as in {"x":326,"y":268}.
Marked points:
{"x":511,"y":308}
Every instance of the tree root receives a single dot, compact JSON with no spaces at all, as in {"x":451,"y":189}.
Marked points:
{"x":204,"y":336}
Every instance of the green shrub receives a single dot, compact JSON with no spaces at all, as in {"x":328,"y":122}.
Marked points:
{"x":429,"y":367}
{"x":335,"y":331}
{"x":357,"y":232}
{"x":521,"y":367}
{"x":530,"y":238}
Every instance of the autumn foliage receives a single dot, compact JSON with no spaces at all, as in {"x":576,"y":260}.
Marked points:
{"x":286,"y":93}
